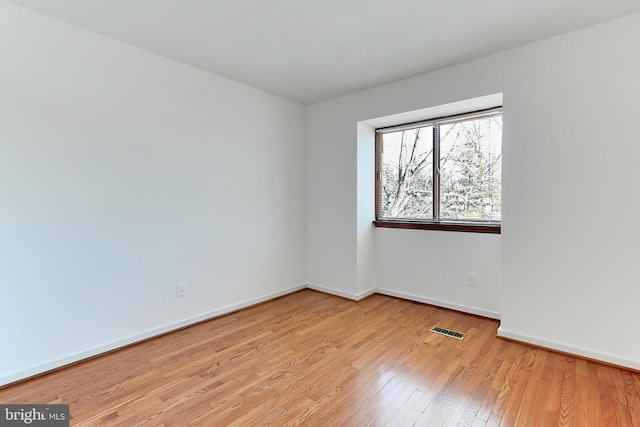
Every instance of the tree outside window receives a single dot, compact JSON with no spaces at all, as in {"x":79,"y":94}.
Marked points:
{"x":444,"y":171}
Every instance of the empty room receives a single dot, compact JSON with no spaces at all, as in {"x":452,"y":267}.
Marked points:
{"x":333,"y":213}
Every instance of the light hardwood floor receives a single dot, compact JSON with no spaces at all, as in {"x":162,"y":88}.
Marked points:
{"x":319,"y":360}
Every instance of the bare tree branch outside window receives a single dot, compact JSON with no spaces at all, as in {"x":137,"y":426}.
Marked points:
{"x":470,"y":168}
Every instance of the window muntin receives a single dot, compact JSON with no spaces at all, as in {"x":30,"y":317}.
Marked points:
{"x":443,"y":171}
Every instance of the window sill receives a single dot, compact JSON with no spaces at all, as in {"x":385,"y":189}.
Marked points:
{"x":465,"y":227}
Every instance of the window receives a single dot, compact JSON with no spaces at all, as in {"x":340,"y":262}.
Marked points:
{"x":443,"y":174}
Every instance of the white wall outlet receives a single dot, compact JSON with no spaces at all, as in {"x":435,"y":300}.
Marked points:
{"x":472,"y":280}
{"x":181,"y":289}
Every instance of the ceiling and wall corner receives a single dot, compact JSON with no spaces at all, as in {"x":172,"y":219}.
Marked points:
{"x":310,"y":51}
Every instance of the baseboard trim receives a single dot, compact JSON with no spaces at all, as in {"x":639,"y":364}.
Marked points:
{"x":336,"y":292}
{"x":569,"y":350}
{"x":440,"y":303}
{"x":26,"y":374}
{"x":134,"y":339}
{"x":410,"y":297}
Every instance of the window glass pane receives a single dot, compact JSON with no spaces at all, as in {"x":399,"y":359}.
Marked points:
{"x":471,"y":169}
{"x":407,"y":173}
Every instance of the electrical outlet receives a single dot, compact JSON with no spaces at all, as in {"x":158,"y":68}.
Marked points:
{"x":181,"y":289}
{"x":472,"y":280}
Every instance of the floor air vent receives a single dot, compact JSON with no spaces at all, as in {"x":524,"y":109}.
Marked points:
{"x":447,"y":332}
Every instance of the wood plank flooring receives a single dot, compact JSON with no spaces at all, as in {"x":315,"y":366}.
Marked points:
{"x":320,"y":360}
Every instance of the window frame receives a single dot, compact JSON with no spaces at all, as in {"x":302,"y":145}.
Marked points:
{"x":467,"y":225}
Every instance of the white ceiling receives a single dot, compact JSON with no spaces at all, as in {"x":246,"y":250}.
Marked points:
{"x":309,"y":51}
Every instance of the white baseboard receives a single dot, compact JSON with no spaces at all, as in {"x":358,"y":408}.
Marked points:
{"x":410,"y":297}
{"x":502,"y":332}
{"x":20,"y":375}
{"x":578,"y":351}
{"x":348,"y":295}
{"x":440,"y":303}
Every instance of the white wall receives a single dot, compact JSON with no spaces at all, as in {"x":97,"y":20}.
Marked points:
{"x":340,"y":206}
{"x":366,"y":192}
{"x":562,"y":273}
{"x":331,"y":201}
{"x":122,"y":173}
{"x":571,"y":182}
